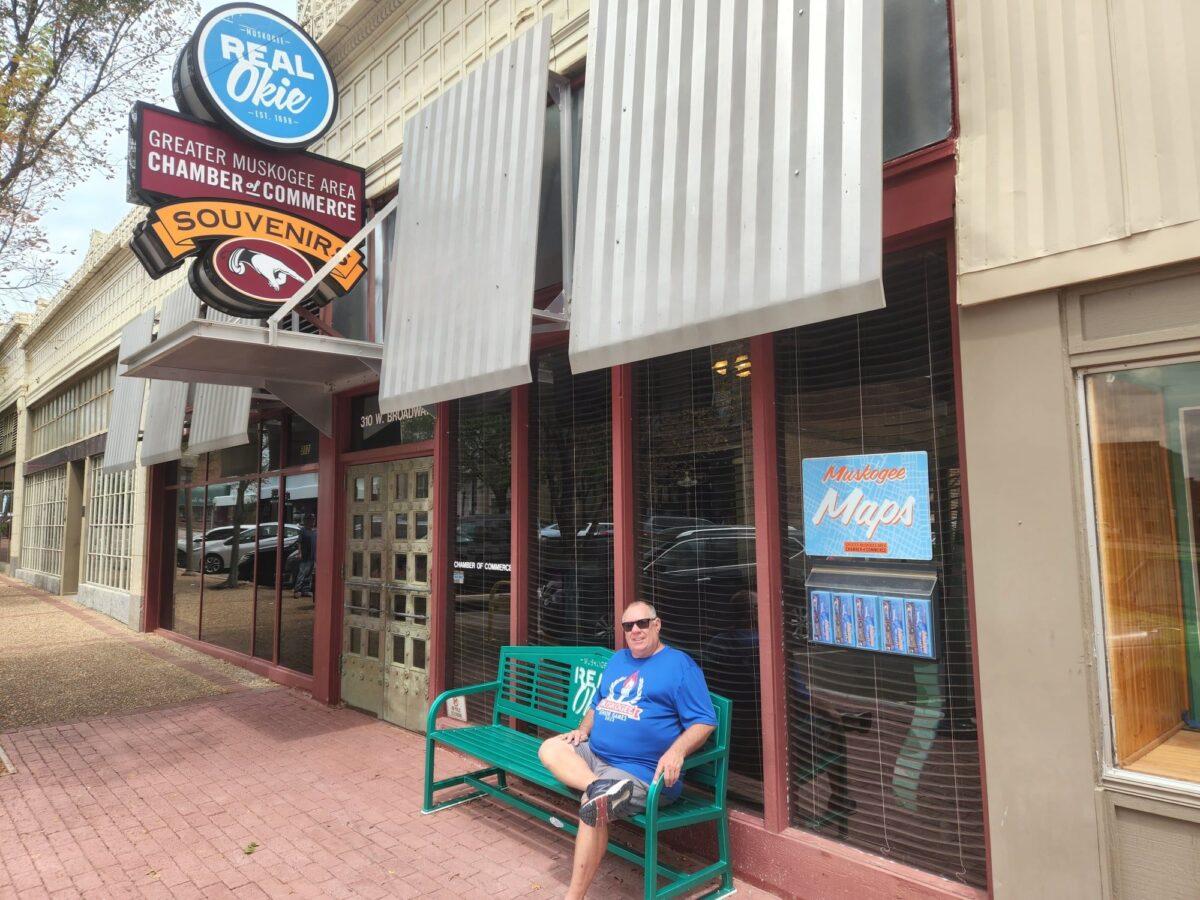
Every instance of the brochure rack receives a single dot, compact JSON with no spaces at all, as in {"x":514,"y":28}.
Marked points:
{"x":881,"y":608}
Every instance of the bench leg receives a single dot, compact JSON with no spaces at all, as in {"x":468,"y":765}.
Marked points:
{"x":427,"y":804}
{"x":724,"y":855}
{"x":651,"y":865}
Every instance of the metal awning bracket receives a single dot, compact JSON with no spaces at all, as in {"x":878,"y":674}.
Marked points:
{"x":336,"y":260}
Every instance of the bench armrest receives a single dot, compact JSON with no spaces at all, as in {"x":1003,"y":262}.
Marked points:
{"x":704,"y":756}
{"x":431,"y":718}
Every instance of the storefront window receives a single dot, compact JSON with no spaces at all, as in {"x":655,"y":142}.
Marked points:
{"x":242,"y":585}
{"x":44,"y":521}
{"x":298,"y":603}
{"x":304,"y":441}
{"x":571,"y":523}
{"x":265,"y":567}
{"x":695,"y":508}
{"x":481,"y":565}
{"x":181,"y":610}
{"x":228,"y":614}
{"x":1144,"y":437}
{"x":881,"y":720}
{"x":109,"y":519}
{"x":371,"y":429}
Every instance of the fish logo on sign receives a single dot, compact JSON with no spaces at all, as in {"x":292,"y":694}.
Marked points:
{"x":259,"y":73}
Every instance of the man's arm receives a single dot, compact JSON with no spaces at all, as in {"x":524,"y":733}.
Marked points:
{"x":580,"y":733}
{"x":671,"y":763}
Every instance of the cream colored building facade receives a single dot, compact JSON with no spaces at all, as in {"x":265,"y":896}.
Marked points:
{"x":1078,"y":233}
{"x":75,"y":530}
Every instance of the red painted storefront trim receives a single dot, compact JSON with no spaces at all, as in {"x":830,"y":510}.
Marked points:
{"x":327,"y":624}
{"x":440,"y":594}
{"x":769,"y":577}
{"x":158,"y":567}
{"x":799,"y":864}
{"x":263,"y":667}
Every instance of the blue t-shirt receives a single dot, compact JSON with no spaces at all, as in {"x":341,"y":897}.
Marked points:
{"x":643,"y":705}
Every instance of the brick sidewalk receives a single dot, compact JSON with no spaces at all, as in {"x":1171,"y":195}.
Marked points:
{"x":166,"y":802}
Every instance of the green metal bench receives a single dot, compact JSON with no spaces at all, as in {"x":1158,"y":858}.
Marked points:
{"x":552,"y":688}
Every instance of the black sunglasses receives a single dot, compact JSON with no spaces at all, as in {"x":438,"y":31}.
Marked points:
{"x":643,"y":624}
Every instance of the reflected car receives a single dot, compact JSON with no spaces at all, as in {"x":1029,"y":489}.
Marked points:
{"x":265,"y":558}
{"x":217,"y":544}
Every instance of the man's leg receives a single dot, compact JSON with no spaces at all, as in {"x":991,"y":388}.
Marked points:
{"x":566,"y":764}
{"x":590,"y":845}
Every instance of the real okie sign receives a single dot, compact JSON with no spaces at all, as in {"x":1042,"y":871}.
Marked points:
{"x":228,"y":180}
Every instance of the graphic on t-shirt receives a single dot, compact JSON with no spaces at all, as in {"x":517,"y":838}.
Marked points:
{"x":623,"y":705}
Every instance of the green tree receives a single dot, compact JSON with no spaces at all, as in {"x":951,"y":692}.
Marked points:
{"x":69,"y":71}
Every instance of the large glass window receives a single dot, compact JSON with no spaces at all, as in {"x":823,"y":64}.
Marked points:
{"x":1144,"y":437}
{"x":481,"y":565}
{"x":77,"y":412}
{"x":228,"y":612}
{"x":297,"y":604}
{"x":883,"y":745}
{"x":240,"y":579}
{"x":109,"y":527}
{"x":570,"y":484}
{"x":695,"y":540}
{"x":181,"y":609}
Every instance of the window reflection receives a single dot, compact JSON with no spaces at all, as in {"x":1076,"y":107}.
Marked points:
{"x":481,"y":566}
{"x":695,"y":493}
{"x":181,"y":612}
{"x":298,"y":605}
{"x":571,"y":548}
{"x":227,"y":616}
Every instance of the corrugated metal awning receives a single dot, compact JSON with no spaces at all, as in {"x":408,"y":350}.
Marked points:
{"x":731,"y":173}
{"x":125,"y":411}
{"x":221,"y":413}
{"x":458,"y":318}
{"x":166,"y":405}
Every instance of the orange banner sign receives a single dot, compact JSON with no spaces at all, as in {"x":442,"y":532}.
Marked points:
{"x":179,"y":226}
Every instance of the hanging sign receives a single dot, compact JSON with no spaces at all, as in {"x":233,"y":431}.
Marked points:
{"x":174,"y":157}
{"x":258,"y":73}
{"x":228,"y":182}
{"x":875,"y":505}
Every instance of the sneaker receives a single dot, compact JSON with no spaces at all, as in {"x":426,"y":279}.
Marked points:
{"x":606,"y":800}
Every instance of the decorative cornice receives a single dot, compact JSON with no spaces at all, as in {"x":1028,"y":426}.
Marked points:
{"x":339,"y":42}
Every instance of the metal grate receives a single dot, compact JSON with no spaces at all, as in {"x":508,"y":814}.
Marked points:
{"x":109,"y":527}
{"x":44,"y":521}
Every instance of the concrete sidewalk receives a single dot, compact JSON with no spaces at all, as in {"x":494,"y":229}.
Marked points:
{"x":60,"y":662}
{"x":248,"y":792}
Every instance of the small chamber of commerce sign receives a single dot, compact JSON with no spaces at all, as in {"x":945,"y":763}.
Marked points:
{"x":259,"y":73}
{"x":874,"y":505}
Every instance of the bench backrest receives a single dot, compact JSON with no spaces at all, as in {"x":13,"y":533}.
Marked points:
{"x":553,"y":687}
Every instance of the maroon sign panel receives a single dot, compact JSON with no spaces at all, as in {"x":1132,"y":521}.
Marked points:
{"x":174,"y":157}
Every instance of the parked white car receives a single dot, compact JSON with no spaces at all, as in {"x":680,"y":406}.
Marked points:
{"x":215,"y":547}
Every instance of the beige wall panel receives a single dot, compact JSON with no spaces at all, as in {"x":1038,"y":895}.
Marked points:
{"x":1036,"y":674}
{"x":393,"y":56}
{"x":1039,"y":163}
{"x":1156,"y":44}
{"x":1156,"y":857}
{"x":1080,"y":134}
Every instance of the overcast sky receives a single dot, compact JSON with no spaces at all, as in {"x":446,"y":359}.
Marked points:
{"x":99,"y":202}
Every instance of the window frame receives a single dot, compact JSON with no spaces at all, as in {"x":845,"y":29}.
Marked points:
{"x":1111,"y":774}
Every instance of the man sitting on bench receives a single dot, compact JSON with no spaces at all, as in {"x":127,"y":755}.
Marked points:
{"x":651,"y":710}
